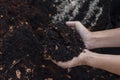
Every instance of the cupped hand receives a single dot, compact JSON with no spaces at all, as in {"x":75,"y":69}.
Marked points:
{"x":85,"y":34}
{"x":76,"y":61}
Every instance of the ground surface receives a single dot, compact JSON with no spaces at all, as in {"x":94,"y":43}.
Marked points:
{"x":28,"y":40}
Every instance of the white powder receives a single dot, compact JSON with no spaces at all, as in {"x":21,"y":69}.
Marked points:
{"x":97,"y":17}
{"x":67,"y":9}
{"x":91,"y":12}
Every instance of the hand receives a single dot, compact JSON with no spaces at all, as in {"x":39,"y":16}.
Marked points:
{"x":76,"y":61}
{"x":85,"y":34}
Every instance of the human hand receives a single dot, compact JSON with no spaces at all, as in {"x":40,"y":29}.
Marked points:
{"x":76,"y":61}
{"x":85,"y":34}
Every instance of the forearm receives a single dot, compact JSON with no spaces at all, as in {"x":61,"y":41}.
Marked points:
{"x":109,"y":63}
{"x":107,"y":38}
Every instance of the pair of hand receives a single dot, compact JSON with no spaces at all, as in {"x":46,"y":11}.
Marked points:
{"x":86,"y":36}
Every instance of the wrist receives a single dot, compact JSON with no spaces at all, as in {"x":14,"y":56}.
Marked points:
{"x":91,"y":58}
{"x":85,"y":57}
{"x":90,"y":42}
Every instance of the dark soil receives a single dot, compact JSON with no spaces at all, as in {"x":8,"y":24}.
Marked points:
{"x":28,"y":40}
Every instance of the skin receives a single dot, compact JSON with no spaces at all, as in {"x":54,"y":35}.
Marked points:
{"x":92,"y":40}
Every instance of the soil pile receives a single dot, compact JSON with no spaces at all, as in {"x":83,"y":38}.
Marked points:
{"x":28,"y":40}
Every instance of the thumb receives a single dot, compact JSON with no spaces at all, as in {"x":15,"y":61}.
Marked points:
{"x":81,"y":29}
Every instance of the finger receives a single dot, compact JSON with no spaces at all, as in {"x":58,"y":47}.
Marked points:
{"x":74,"y":24}
{"x":61,"y":64}
{"x":81,"y":29}
{"x":86,"y":51}
{"x":69,"y":64}
{"x":74,"y":62}
{"x":54,"y":61}
{"x":70,"y":23}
